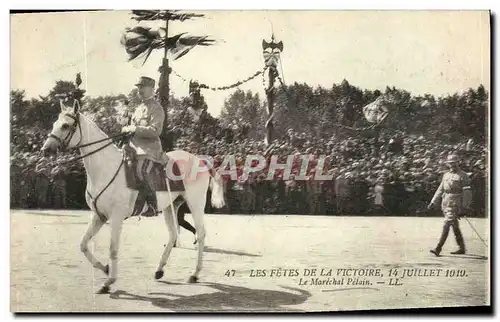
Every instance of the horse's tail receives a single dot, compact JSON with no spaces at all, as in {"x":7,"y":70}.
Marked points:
{"x":217,"y":187}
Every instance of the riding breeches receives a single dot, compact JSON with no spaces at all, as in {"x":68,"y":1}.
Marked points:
{"x":143,"y":168}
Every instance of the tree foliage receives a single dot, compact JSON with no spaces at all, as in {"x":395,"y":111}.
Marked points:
{"x":244,"y":110}
{"x":319,"y":114}
{"x":321,"y":111}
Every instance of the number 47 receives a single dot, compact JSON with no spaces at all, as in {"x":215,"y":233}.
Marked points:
{"x":230,"y":272}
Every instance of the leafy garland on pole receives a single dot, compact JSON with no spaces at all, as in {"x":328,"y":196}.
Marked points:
{"x":271,"y":52}
{"x":221,"y":88}
{"x":141,"y":41}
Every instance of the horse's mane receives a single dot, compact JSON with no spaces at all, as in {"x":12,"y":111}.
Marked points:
{"x":93,"y":124}
{"x":88,"y":119}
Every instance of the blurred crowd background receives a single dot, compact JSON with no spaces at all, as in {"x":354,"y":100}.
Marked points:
{"x":390,"y":169}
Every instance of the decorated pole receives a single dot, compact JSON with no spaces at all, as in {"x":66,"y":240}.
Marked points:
{"x":271,"y":52}
{"x":78,"y":92}
{"x":164,"y":93}
{"x":140,"y":41}
{"x":270,"y":106}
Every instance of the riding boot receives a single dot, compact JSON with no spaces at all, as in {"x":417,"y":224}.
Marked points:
{"x":140,"y":202}
{"x":147,"y":188}
{"x":151,"y":201}
{"x":154,"y":203}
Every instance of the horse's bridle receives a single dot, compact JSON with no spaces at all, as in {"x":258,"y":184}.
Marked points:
{"x":64,"y":143}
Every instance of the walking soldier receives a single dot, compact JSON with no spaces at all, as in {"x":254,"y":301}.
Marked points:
{"x":455,"y":192}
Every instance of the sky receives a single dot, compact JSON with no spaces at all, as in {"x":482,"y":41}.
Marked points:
{"x":435,"y":52}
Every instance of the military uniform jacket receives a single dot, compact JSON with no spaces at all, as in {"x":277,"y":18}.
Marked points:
{"x":148,"y":119}
{"x":455,"y":194}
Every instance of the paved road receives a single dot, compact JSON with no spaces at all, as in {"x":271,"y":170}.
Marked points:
{"x":48,"y":273}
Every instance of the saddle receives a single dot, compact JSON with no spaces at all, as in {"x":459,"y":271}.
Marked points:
{"x":155,"y":175}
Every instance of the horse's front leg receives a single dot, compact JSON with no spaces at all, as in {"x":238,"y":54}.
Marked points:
{"x":169,"y":220}
{"x":116,"y":229}
{"x":94,"y":226}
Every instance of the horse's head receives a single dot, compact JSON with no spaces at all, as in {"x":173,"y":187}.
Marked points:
{"x":64,"y":130}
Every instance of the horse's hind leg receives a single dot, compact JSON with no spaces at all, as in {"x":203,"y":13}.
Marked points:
{"x":198,"y":211}
{"x":94,"y":226}
{"x":168,"y":214}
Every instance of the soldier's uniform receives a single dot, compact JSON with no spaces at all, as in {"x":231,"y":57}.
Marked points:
{"x":148,"y":121}
{"x":147,"y":124}
{"x":455,"y":194}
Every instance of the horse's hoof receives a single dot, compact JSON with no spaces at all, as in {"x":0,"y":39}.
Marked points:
{"x":106,"y":269}
{"x":193,"y":279}
{"x":158,"y":275}
{"x":104,"y":290}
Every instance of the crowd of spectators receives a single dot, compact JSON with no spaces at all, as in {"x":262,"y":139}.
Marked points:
{"x":392,"y":174}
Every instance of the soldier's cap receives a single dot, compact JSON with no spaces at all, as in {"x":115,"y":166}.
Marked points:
{"x":146,"y":81}
{"x":452,"y":158}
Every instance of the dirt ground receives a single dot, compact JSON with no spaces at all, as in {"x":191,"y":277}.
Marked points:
{"x":49,"y":274}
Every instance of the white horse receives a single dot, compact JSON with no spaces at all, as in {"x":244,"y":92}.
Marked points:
{"x":110,"y":199}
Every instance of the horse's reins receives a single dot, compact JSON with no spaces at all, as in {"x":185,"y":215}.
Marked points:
{"x":64,"y":142}
{"x":64,"y":146}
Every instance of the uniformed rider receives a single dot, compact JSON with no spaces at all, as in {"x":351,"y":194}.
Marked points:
{"x":146,"y":124}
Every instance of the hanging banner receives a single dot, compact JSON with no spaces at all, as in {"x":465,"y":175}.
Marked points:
{"x":375,"y":112}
